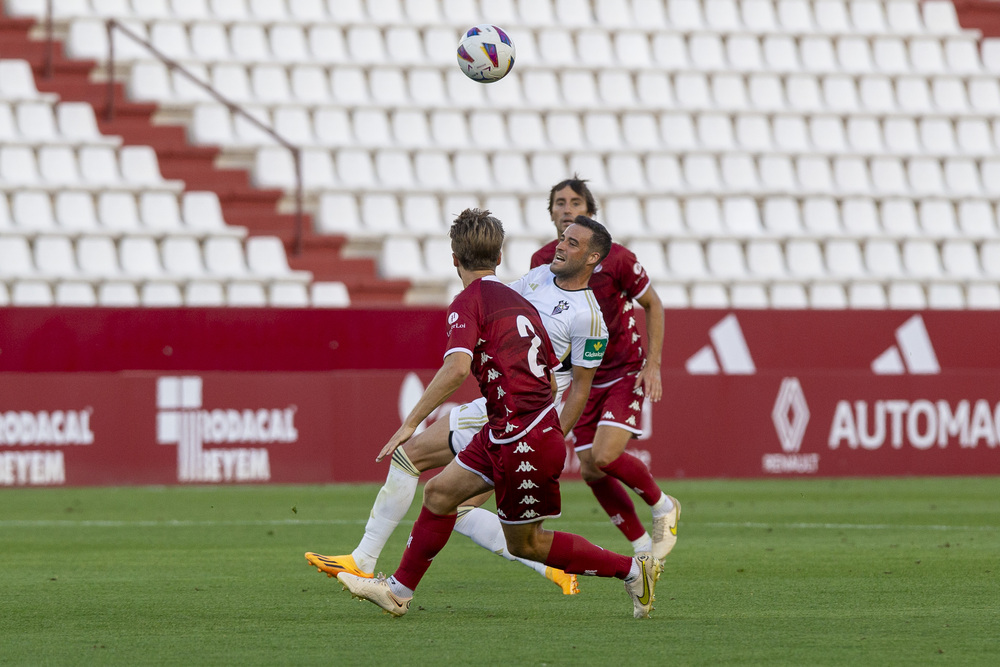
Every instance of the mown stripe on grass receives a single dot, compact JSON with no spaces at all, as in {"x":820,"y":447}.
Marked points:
{"x":68,"y":523}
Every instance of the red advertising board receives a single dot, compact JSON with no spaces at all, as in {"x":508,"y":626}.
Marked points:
{"x":746,"y":394}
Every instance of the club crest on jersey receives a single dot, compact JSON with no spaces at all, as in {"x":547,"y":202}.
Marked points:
{"x":560,"y":307}
{"x":594,"y":349}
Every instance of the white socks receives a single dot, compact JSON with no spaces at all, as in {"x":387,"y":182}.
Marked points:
{"x":484,"y":528}
{"x":663,"y":506}
{"x":642,"y":545}
{"x":634,"y":572}
{"x":398,"y":589}
{"x":391,"y":505}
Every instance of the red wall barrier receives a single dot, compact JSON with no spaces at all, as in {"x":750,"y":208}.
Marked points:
{"x":231,"y":339}
{"x":747,"y":393}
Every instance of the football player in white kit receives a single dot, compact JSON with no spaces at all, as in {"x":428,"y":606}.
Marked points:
{"x":576,"y":328}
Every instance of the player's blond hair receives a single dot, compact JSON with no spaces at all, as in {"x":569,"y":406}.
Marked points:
{"x":476,"y":239}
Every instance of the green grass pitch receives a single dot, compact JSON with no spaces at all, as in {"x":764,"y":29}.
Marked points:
{"x":796,"y":572}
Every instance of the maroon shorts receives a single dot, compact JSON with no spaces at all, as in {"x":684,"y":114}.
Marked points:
{"x":618,"y":404}
{"x":525,"y":473}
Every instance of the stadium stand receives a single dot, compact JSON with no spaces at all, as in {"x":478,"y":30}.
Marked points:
{"x":753,"y":153}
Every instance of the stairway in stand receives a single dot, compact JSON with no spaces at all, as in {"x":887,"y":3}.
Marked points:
{"x":242,"y":204}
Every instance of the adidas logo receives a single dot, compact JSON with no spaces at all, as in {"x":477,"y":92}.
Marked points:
{"x":912,"y":354}
{"x":523,"y":448}
{"x":728,"y":349}
{"x":525,"y":467}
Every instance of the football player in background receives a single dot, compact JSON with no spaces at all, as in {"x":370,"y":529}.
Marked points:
{"x":627,"y":374}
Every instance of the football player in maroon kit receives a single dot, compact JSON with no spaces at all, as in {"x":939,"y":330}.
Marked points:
{"x":627,"y":374}
{"x":497,"y":335}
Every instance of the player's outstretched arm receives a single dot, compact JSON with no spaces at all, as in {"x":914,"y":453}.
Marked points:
{"x":576,"y":397}
{"x":649,"y":376}
{"x":447,"y":380}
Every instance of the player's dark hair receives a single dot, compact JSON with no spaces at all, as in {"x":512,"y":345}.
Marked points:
{"x":579,"y":186}
{"x":476,"y":239}
{"x":600,"y":240}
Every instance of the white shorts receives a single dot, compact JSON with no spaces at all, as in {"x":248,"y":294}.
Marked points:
{"x":464,"y":422}
{"x":469,"y":418}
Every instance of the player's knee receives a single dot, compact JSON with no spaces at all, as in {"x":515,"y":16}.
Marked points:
{"x":589,"y":471}
{"x":438,"y":499}
{"x":603,"y":459}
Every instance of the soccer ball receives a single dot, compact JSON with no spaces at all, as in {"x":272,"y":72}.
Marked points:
{"x":485,"y":53}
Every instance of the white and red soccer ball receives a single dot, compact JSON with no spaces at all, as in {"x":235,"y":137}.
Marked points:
{"x":485,"y":53}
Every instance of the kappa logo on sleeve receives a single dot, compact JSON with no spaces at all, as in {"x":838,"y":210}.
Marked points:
{"x":594,"y":349}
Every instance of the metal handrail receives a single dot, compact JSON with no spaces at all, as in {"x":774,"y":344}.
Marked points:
{"x":109,"y":112}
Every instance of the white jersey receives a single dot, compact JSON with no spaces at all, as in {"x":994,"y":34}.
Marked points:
{"x":572,"y":319}
{"x":575,"y":325}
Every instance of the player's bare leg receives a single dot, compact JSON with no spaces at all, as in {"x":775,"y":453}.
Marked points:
{"x":442,"y":496}
{"x":575,"y":554}
{"x":608,"y":457}
{"x":484,"y":528}
{"x":425,"y":451}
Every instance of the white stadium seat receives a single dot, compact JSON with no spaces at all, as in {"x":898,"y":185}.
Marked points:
{"x":73,"y":293}
{"x":756,"y":153}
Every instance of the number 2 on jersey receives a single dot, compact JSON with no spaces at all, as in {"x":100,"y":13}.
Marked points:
{"x":525,"y":329}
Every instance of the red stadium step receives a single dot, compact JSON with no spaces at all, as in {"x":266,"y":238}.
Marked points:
{"x":981,"y":15}
{"x":195,"y":166}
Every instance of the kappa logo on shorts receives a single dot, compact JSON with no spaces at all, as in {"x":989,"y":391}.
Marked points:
{"x":631,"y":420}
{"x":608,"y":415}
{"x":523,"y":448}
{"x":634,"y":405}
{"x":530,"y":514}
{"x":527,"y":484}
{"x":525,"y":467}
{"x":529,"y":500}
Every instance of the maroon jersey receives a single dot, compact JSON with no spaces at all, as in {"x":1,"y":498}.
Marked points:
{"x":511,"y":355}
{"x":618,"y":280}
